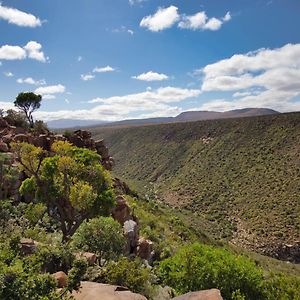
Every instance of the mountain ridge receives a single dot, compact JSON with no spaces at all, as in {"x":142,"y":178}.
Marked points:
{"x":182,"y":117}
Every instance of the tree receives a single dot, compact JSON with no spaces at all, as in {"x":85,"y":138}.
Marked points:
{"x":107,"y":240}
{"x":71,"y":182}
{"x":28,"y":103}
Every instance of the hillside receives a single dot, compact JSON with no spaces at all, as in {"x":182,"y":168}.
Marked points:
{"x":238,"y":177}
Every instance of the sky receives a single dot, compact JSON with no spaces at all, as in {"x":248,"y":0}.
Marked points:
{"x":111,"y":60}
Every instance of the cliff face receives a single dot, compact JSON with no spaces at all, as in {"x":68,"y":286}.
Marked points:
{"x":239,"y":177}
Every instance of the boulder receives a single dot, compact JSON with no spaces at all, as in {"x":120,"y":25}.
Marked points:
{"x":28,"y":246}
{"x":144,"y":249}
{"x":3,"y":147}
{"x":91,"y":258}
{"x":23,"y":138}
{"x":100,"y":291}
{"x":130,"y":228}
{"x":61,"y":279}
{"x":122,"y":211}
{"x":212,"y":294}
{"x":3,"y":123}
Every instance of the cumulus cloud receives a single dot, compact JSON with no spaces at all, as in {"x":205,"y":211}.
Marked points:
{"x":51,"y":89}
{"x":200,"y":21}
{"x":18,"y":17}
{"x":8,"y":52}
{"x":30,"y":80}
{"x":86,"y":77}
{"x":151,"y":76}
{"x":164,"y":18}
{"x":272,"y":74}
{"x":8,"y":74}
{"x":31,"y":50}
{"x":34,"y":51}
{"x":103,"y":69}
{"x":149,"y":103}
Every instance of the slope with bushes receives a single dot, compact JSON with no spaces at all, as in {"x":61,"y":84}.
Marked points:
{"x":239,"y":178}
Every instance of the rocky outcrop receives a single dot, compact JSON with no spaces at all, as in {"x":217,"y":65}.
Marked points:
{"x":61,"y":279}
{"x":99,"y":291}
{"x":288,"y":252}
{"x":122,"y":210}
{"x":79,"y":138}
{"x":212,"y":294}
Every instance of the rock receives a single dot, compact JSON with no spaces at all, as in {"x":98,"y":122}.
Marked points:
{"x":212,"y":294}
{"x":3,"y":123}
{"x":61,"y":279}
{"x":130,"y":228}
{"x":3,"y":147}
{"x":23,"y":138}
{"x":144,"y":249}
{"x":100,"y":291}
{"x":28,"y":246}
{"x":122,"y":211}
{"x":91,"y":258}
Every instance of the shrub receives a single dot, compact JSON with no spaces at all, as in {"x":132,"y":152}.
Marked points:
{"x":200,"y":267}
{"x":129,"y":273}
{"x":102,"y":236}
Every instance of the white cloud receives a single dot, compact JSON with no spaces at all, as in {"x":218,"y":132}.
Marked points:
{"x":49,"y":97}
{"x":17,"y":17}
{"x":227,"y":17}
{"x":34,"y":51}
{"x":51,"y":89}
{"x":8,"y":74}
{"x":151,"y":76}
{"x":30,"y":80}
{"x":241,"y":94}
{"x":272,"y":75}
{"x":86,"y":77}
{"x":103,"y":69}
{"x":132,"y":2}
{"x":164,"y":18}
{"x":79,"y":58}
{"x":201,"y":21}
{"x":31,"y":50}
{"x":150,"y":103}
{"x":130,"y":31}
{"x":149,"y":97}
{"x":6,"y":105}
{"x":8,"y":52}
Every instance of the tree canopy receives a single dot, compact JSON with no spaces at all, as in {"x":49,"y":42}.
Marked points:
{"x":71,"y":182}
{"x":28,"y":102}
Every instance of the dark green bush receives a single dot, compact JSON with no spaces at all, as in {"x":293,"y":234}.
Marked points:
{"x":200,"y":267}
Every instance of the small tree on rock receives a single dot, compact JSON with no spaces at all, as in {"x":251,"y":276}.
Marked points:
{"x":28,"y":103}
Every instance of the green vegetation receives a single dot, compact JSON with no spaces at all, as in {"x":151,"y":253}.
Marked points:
{"x":239,"y":178}
{"x":102,"y":236}
{"x":64,"y":205}
{"x":72,"y":183}
{"x":200,"y":267}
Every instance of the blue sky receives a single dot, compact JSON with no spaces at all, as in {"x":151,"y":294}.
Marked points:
{"x":119,"y":59}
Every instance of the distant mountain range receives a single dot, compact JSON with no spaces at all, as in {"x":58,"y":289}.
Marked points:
{"x":183,"y":117}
